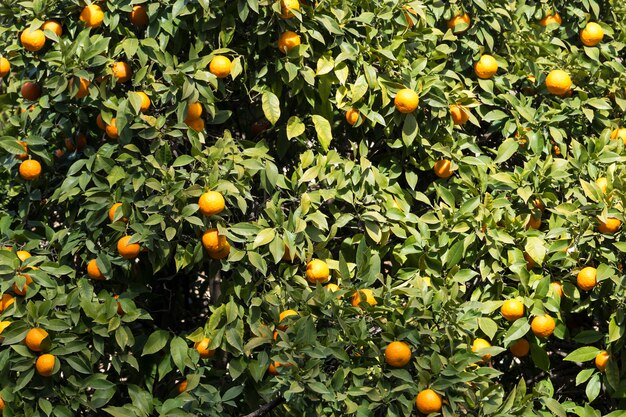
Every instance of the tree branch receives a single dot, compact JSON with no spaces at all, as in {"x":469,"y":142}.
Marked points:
{"x":267,"y":407}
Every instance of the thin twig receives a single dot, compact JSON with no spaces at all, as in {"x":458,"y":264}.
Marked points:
{"x":267,"y":407}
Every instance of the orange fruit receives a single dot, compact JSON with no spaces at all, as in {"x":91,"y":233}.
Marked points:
{"x":1,"y":405}
{"x":5,"y":67}
{"x":121,"y":72}
{"x":286,"y":7}
{"x":368,"y":297}
{"x":317,"y":271}
{"x":45,"y":364}
{"x":428,"y":401}
{"x":603,"y":183}
{"x":480,"y":344}
{"x":220,"y":66}
{"x":456,"y":20}
{"x":586,"y":278}
{"x":512,"y":310}
{"x":53,"y":26}
{"x":22,"y":291}
{"x":538,"y":204}
{"x":202,"y":348}
{"x":195,"y":124}
{"x":352,"y":116}
{"x":609,"y":227}
{"x":332,"y":287}
{"x":520,"y":348}
{"x":30,"y":170}
{"x":443,"y":168}
{"x":145,"y":101}
{"x":287,"y":41}
{"x":139,"y":16}
{"x":619,"y":133}
{"x":83,"y":87}
{"x":111,"y":129}
{"x":283,"y":315}
{"x":602,"y":360}
{"x":212,"y":240}
{"x":534,"y":222}
{"x":273,"y":367}
{"x":30,"y":91}
{"x":558,"y":82}
{"x":126,"y":250}
{"x":33,"y":39}
{"x":592,"y":34}
{"x":543,"y":326}
{"x":23,"y":156}
{"x":92,"y":16}
{"x":6,"y":301}
{"x":397,"y":354}
{"x":406,"y":100}
{"x":459,"y":114}
{"x":3,"y":325}
{"x":194,"y":111}
{"x":112,"y":211}
{"x":556,"y":288}
{"x":182,"y":386}
{"x":93,"y":271}
{"x":222,"y":252}
{"x":100,"y":122}
{"x":35,"y":338}
{"x":211,"y":203}
{"x":550,"y":19}
{"x":486,"y":67}
{"x":81,"y":142}
{"x":530,"y":263}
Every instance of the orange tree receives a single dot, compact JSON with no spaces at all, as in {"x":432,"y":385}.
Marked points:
{"x":312,"y":208}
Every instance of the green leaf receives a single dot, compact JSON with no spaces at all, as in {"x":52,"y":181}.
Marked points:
{"x":324,"y":133}
{"x":156,"y":342}
{"x":506,"y":150}
{"x":582,"y":354}
{"x":295,"y":127}
{"x":264,"y":237}
{"x":271,"y":106}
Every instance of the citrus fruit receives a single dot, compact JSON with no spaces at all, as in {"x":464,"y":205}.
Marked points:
{"x":195,"y":124}
{"x":145,"y":101}
{"x":603,"y":183}
{"x":45,"y":364}
{"x":139,"y":16}
{"x":287,"y":41}
{"x":428,"y":401}
{"x":35,"y":338}
{"x":202,"y":347}
{"x":406,"y":100}
{"x":182,"y":386}
{"x":512,"y":310}
{"x":22,"y":156}
{"x":609,"y":227}
{"x":83,"y":87}
{"x":397,"y":354}
{"x":352,"y":116}
{"x":283,"y":315}
{"x":222,"y":251}
{"x":126,"y":250}
{"x":112,"y":211}
{"x":194,"y":111}
{"x":619,"y":133}
{"x":5,"y":67}
{"x":542,"y":326}
{"x":551,"y":19}
{"x":30,"y":91}
{"x":33,"y":39}
{"x":212,"y":240}
{"x":586,"y":278}
{"x":286,"y":7}
{"x":22,"y":291}
{"x":592,"y":34}
{"x":457,"y":21}
{"x":6,"y":301}
{"x":602,"y":360}
{"x":53,"y":26}
{"x":480,"y":344}
{"x":366,"y":295}
{"x":459,"y":114}
{"x":332,"y":287}
{"x":558,"y":82}
{"x":556,"y":288}
{"x":486,"y":67}
{"x":443,"y":168}
{"x":93,"y":271}
{"x":211,"y":203}
{"x":520,"y":348}
{"x":3,"y":325}
{"x":317,"y":271}
{"x":220,"y":66}
{"x":100,"y":122}
{"x":30,"y":170}
{"x":111,"y":129}
{"x":121,"y":72}
{"x":534,"y":222}
{"x":92,"y":16}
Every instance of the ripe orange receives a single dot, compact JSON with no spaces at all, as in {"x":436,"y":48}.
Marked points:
{"x":287,"y":41}
{"x":202,"y":348}
{"x":603,"y":183}
{"x":30,"y":91}
{"x":352,"y":116}
{"x":212,"y":240}
{"x":558,"y":82}
{"x":112,"y":211}
{"x":121,"y":71}
{"x":586,"y":278}
{"x":139,"y":16}
{"x":182,"y":386}
{"x":211,"y":203}
{"x":480,"y":344}
{"x":332,"y":287}
{"x":556,"y":288}
{"x":550,"y":19}
{"x":23,"y":156}
{"x":194,"y":111}
{"x":111,"y":129}
{"x":6,"y":301}
{"x":53,"y":26}
{"x":33,"y":39}
{"x":5,"y":67}
{"x":538,"y":204}
{"x":100,"y":122}
{"x":35,"y":339}
{"x":30,"y":170}
{"x":428,"y":401}
{"x":283,"y":315}
{"x":609,"y":227}
{"x":486,"y":67}
{"x":195,"y":124}
{"x":92,"y":16}
{"x":22,"y":291}
{"x":443,"y":168}
{"x":619,"y":133}
{"x":286,"y":7}
{"x":368,"y":297}
{"x":126,"y":250}
{"x":520,"y":348}
{"x":93,"y":271}
{"x":220,"y":66}
{"x":317,"y":271}
{"x":397,"y":354}
{"x":456,"y":20}
{"x":406,"y":100}
{"x":592,"y":34}
{"x":3,"y":325}
{"x":81,"y":142}
{"x":534,"y":222}
{"x":273,"y":367}
{"x":45,"y":364}
{"x":145,"y":101}
{"x":222,"y":251}
{"x":83,"y":87}
{"x":602,"y":360}
{"x":543,"y":326}
{"x":459,"y":114}
{"x":512,"y":310}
